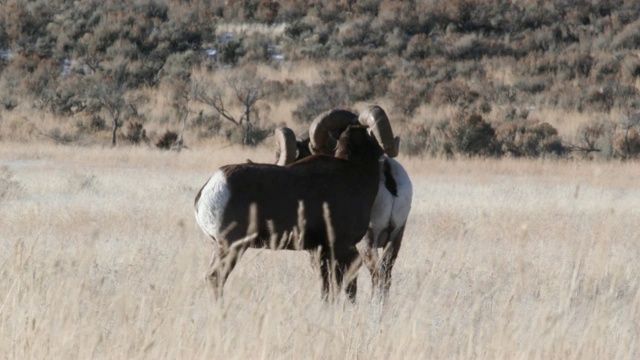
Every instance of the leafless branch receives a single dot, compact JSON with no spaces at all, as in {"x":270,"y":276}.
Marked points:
{"x":213,"y":97}
{"x":588,"y":149}
{"x":246,"y":88}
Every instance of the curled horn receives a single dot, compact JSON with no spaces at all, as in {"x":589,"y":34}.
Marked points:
{"x":335,"y":119}
{"x":286,"y":146}
{"x":376,"y":119}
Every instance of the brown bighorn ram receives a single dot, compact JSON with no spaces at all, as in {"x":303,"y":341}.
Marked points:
{"x":393,"y":201}
{"x":287,"y":207}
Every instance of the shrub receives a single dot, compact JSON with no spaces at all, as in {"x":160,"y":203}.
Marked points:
{"x":533,"y":85}
{"x":439,"y":142}
{"x":407,"y":96}
{"x":419,"y":46}
{"x":631,"y":68}
{"x":230,"y":52}
{"x":396,"y":14}
{"x":415,"y":141}
{"x":284,"y":90}
{"x":168,"y":140}
{"x":207,"y":125}
{"x":368,"y":77}
{"x":583,"y":64}
{"x":368,"y":7}
{"x":9,"y":88}
{"x":8,"y":102}
{"x":595,"y":139}
{"x":291,"y":10}
{"x":466,"y":134}
{"x":256,"y":48}
{"x":472,"y":135}
{"x":69,"y":96}
{"x":9,"y":187}
{"x":241,"y":135}
{"x":396,"y":41}
{"x":258,"y":134}
{"x":178,"y":66}
{"x":454,"y":93}
{"x":530,"y":139}
{"x":409,"y":88}
{"x":298,"y":29}
{"x":600,"y":98}
{"x":135,"y":133}
{"x":501,"y":94}
{"x":354,"y":33}
{"x":626,"y":140}
{"x":61,"y":137}
{"x":606,"y":65}
{"x":92,"y":124}
{"x":604,"y":98}
{"x":334,"y":11}
{"x":267,"y":11}
{"x":626,"y":144}
{"x":629,"y":37}
{"x":472,"y":46}
{"x":321,"y":97}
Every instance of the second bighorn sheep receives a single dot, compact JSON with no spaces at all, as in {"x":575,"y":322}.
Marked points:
{"x":393,"y":200}
{"x":320,"y":203}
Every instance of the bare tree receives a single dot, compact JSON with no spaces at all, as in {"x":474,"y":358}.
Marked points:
{"x":245,"y":89}
{"x":628,"y":143}
{"x":109,"y":94}
{"x":180,"y":97}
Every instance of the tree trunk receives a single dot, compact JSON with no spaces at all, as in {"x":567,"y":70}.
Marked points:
{"x":247,"y":134}
{"x":248,"y":126}
{"x":113,"y":132}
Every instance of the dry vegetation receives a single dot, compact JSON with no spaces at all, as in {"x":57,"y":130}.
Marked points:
{"x":536,"y":78}
{"x":531,"y":256}
{"x":502,"y":259}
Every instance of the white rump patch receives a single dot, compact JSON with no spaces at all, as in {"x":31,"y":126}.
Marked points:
{"x":402,"y":203}
{"x":210,"y":208}
{"x":387,"y":209}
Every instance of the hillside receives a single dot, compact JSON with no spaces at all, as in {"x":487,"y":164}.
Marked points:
{"x":490,"y":78}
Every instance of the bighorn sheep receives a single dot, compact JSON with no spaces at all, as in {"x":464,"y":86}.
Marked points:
{"x":288,"y":207}
{"x":393,"y":201}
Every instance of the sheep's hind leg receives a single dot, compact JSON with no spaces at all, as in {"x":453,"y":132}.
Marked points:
{"x":213,"y":273}
{"x":389,"y":259}
{"x":222,"y":263}
{"x":370,"y":258}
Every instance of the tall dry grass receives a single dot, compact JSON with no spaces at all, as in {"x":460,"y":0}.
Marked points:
{"x":101,"y":258}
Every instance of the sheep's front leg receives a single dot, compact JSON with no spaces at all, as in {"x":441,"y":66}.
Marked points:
{"x":326,"y":272}
{"x":335,"y":271}
{"x":347,"y":271}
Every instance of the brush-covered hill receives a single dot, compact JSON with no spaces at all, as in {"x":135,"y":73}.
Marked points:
{"x":492,"y":78}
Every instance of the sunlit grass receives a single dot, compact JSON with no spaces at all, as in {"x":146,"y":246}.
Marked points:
{"x":102,"y":258}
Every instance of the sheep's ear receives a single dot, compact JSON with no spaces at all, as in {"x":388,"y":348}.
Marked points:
{"x":343,"y":146}
{"x":396,"y":146}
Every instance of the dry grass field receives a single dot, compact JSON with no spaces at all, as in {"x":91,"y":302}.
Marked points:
{"x":100,"y":257}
